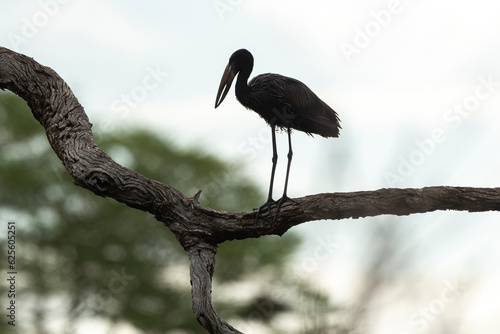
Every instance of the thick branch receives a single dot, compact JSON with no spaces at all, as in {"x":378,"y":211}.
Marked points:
{"x":197,"y":228}
{"x":353,"y":205}
{"x":202,"y":259}
{"x":69,"y":133}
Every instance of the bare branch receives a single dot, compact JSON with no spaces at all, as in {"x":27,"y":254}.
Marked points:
{"x":200,"y":229}
{"x":202,"y":259}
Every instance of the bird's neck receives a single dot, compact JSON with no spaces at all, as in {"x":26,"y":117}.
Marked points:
{"x":242,"y":88}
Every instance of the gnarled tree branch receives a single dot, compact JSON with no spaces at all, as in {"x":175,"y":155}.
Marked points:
{"x":199,"y":229}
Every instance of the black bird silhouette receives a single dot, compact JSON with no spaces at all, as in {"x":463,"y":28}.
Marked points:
{"x":284,"y":103}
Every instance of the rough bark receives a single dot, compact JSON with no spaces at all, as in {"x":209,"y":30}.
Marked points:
{"x":199,"y":229}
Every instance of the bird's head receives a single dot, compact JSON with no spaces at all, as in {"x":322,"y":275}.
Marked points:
{"x":240,"y":61}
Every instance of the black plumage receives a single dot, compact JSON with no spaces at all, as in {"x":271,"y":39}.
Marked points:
{"x":283,"y":102}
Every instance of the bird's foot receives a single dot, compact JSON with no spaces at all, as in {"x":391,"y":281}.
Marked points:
{"x":267,"y":205}
{"x":280,"y":203}
{"x":270,"y":203}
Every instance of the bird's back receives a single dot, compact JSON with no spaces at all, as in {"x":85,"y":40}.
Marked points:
{"x":287,"y":102}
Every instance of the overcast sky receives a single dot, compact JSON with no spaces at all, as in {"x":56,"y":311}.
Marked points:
{"x":415,"y":83}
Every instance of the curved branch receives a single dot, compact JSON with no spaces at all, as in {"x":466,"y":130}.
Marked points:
{"x":200,"y":229}
{"x":69,"y":133}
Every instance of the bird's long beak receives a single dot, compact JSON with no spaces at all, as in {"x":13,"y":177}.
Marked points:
{"x":225,"y":84}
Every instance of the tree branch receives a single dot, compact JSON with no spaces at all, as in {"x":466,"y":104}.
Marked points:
{"x":202,"y":259}
{"x":199,"y":229}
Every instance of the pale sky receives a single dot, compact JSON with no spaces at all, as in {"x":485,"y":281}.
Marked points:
{"x":415,"y":83}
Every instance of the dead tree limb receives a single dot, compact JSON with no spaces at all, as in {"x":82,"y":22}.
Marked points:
{"x":199,"y":229}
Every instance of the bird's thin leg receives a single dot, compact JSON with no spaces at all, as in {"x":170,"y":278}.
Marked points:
{"x":289,"y":156}
{"x":285,"y":198}
{"x":270,"y":199}
{"x":275,"y":161}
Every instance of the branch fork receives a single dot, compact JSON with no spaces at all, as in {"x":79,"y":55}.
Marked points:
{"x":199,"y":229}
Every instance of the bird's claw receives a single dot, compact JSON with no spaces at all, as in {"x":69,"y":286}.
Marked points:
{"x":271,"y":202}
{"x":280,"y":203}
{"x":268,"y":205}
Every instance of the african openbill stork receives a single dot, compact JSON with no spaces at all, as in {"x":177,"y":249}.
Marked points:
{"x":284,"y":103}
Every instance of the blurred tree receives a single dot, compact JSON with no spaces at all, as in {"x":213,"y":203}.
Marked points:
{"x":82,"y":257}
